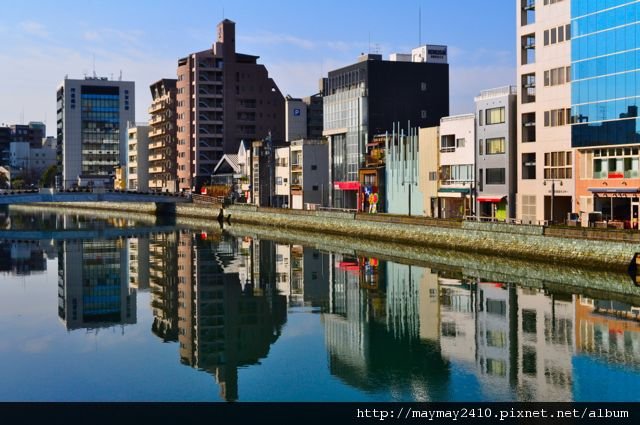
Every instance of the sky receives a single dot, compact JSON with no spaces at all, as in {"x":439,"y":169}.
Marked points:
{"x":298,"y":42}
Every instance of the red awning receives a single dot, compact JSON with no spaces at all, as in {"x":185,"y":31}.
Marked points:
{"x":347,"y":185}
{"x":493,"y":199}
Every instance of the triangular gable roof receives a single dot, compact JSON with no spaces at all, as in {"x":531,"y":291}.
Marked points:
{"x":231,"y":160}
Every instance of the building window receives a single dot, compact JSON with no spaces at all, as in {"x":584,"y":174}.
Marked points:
{"x":423,"y":114}
{"x":558,"y":165}
{"x":495,"y":146}
{"x":480,"y":117}
{"x":448,"y":143}
{"x":495,"y":115}
{"x":314,"y":187}
{"x":433,"y":176}
{"x":279,"y":180}
{"x":557,"y":117}
{"x":480,"y":147}
{"x":529,"y":166}
{"x":495,"y":175}
{"x":614,"y":163}
{"x":314,"y":167}
{"x":460,"y":143}
{"x":423,"y":86}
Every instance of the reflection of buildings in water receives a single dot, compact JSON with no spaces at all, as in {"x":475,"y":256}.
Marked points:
{"x":163,"y":284}
{"x":608,"y":330}
{"x":315,"y":278}
{"x":139,"y":263}
{"x":93,"y":288}
{"x":22,"y":258}
{"x":223,"y":326}
{"x":290,"y":273}
{"x":496,"y":339}
{"x":545,"y":345}
{"x":457,"y":322}
{"x":380,"y":349}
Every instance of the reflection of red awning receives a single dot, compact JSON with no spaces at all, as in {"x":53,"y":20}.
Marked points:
{"x":349,"y":267}
{"x":347,"y":185}
{"x":492,"y":199}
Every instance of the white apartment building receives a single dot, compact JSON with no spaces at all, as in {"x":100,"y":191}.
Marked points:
{"x":544,"y":156}
{"x":138,"y":157}
{"x":457,"y":159}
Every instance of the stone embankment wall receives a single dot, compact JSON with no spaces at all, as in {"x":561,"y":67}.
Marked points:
{"x":608,"y":250}
{"x":494,"y":239}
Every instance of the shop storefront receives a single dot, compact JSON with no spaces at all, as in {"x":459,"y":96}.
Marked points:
{"x":619,"y":206}
{"x":493,"y":206}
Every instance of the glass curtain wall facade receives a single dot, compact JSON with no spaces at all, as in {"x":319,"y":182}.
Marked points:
{"x":100,"y":129}
{"x":605,"y":95}
{"x":346,"y":110}
{"x":606,"y":77}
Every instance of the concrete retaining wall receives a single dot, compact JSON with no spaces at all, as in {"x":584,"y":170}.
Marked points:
{"x":493,"y":239}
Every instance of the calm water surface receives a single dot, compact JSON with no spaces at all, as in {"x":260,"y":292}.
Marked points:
{"x":114,"y":310}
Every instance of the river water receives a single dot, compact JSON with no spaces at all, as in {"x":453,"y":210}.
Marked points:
{"x":117,"y":310}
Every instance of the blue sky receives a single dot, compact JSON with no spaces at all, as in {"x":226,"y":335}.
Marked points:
{"x":42,"y":41}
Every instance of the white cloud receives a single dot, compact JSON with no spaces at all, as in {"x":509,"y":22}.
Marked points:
{"x":278,"y":39}
{"x":34,"y":28}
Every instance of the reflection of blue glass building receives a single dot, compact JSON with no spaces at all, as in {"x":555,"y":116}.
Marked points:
{"x":605,"y":94}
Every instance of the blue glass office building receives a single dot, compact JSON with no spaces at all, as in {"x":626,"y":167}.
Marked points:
{"x":605,"y":59}
{"x":605,"y":96}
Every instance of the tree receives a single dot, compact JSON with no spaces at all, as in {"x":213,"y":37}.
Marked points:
{"x":4,"y":182}
{"x":48,"y":178}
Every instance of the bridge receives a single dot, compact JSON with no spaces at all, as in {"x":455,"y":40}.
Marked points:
{"x":11,"y":197}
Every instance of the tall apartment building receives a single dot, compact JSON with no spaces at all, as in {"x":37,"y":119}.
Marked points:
{"x":162,"y":136}
{"x":222,"y":98}
{"x":138,"y":157}
{"x":545,"y":157}
{"x":605,"y":50}
{"x":368,"y":97}
{"x":92,"y":117}
{"x":496,"y":153}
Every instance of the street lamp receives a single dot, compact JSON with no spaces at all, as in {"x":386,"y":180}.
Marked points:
{"x":553,"y":195}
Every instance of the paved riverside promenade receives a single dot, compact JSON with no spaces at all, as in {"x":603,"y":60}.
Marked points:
{"x":572,"y":247}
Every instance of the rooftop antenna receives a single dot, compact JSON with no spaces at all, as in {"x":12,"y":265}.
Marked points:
{"x":120,"y":77}
{"x":94,"y":66}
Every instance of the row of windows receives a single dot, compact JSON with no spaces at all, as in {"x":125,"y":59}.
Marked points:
{"x":546,"y":2}
{"x":557,"y":35}
{"x":606,"y":65}
{"x":580,"y":8}
{"x":619,"y":132}
{"x":611,"y":163}
{"x":602,"y":43}
{"x":457,"y":173}
{"x":491,"y":116}
{"x":602,"y":111}
{"x":619,"y":86}
{"x":606,"y":19}
{"x":557,"y":117}
{"x":557,"y":76}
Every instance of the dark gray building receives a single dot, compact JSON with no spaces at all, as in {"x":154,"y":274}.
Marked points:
{"x":495,"y":153}
{"x":368,"y":97}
